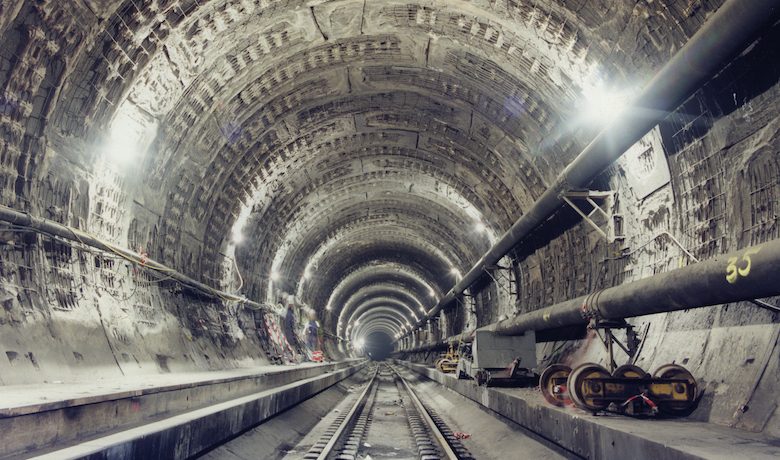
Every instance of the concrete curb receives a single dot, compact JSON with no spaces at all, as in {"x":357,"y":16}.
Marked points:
{"x":92,"y":416}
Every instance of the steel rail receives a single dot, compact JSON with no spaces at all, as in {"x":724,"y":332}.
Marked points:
{"x":728,"y":32}
{"x":349,"y":419}
{"x":446,"y":449}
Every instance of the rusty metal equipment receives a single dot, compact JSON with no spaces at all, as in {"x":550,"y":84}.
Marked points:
{"x":448,"y":362}
{"x":627,"y":389}
{"x":671,"y":390}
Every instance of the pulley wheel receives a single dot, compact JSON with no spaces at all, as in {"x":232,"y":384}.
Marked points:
{"x":584,"y":391}
{"x":553,"y":393}
{"x":440,"y":364}
{"x":629,"y":371}
{"x":684,"y":399}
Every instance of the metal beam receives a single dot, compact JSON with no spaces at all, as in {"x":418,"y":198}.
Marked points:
{"x":732,"y":28}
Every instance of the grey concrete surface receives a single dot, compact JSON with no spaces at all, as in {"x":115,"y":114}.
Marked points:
{"x":489,"y":436}
{"x":355,"y":156}
{"x":42,"y":417}
{"x":190,"y":433}
{"x":291,"y":433}
{"x":609,"y":436}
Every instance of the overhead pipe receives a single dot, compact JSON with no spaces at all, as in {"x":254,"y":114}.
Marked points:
{"x":50,"y":227}
{"x":732,"y":28}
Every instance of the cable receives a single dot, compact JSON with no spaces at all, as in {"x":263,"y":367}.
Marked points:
{"x":664,"y":233}
{"x":106,"y":247}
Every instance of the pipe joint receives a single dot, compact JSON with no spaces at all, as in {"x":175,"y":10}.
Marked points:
{"x":590,"y":307}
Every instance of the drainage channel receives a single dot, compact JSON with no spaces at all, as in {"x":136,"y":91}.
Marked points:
{"x":387,"y":418}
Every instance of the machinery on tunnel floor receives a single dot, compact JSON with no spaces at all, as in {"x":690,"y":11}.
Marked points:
{"x":448,"y":362}
{"x":497,"y":360}
{"x":627,"y":389}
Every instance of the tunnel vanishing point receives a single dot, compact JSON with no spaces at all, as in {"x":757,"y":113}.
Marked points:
{"x":242,"y":229}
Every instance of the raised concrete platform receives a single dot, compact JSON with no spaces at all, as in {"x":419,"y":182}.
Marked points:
{"x":609,"y":436}
{"x":39,"y":417}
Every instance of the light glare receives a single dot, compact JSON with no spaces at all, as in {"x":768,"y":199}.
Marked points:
{"x":130,"y":134}
{"x":603,"y":104}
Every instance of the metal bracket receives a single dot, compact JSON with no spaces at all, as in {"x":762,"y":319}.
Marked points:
{"x":609,"y":340}
{"x":613,"y":230}
{"x":503,"y":273}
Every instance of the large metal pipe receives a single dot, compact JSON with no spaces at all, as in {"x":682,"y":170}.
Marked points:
{"x":738,"y":276}
{"x":732,"y":28}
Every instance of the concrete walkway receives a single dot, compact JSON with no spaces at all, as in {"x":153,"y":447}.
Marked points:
{"x":609,"y":436}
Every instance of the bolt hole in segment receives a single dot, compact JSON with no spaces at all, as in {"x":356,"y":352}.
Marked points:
{"x":386,"y":420}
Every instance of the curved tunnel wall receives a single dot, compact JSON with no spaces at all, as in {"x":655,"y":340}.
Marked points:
{"x":274,"y":148}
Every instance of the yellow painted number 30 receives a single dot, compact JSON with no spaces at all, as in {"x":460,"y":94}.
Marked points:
{"x":734,"y":271}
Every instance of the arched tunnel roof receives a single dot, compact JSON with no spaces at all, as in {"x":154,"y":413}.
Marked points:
{"x":345,"y":151}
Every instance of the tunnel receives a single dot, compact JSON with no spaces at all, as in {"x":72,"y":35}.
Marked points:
{"x":378,"y":346}
{"x":240,"y":229}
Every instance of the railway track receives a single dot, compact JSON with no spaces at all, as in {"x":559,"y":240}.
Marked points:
{"x":388,"y":396}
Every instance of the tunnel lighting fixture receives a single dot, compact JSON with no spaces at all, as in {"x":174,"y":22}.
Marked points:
{"x":274,"y":276}
{"x":431,"y":293}
{"x":359,"y":343}
{"x":479,"y":227}
{"x":130,"y":133}
{"x":603,"y":104}
{"x":455,"y":272}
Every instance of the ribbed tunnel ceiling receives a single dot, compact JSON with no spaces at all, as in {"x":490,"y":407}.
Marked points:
{"x":353,"y":145}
